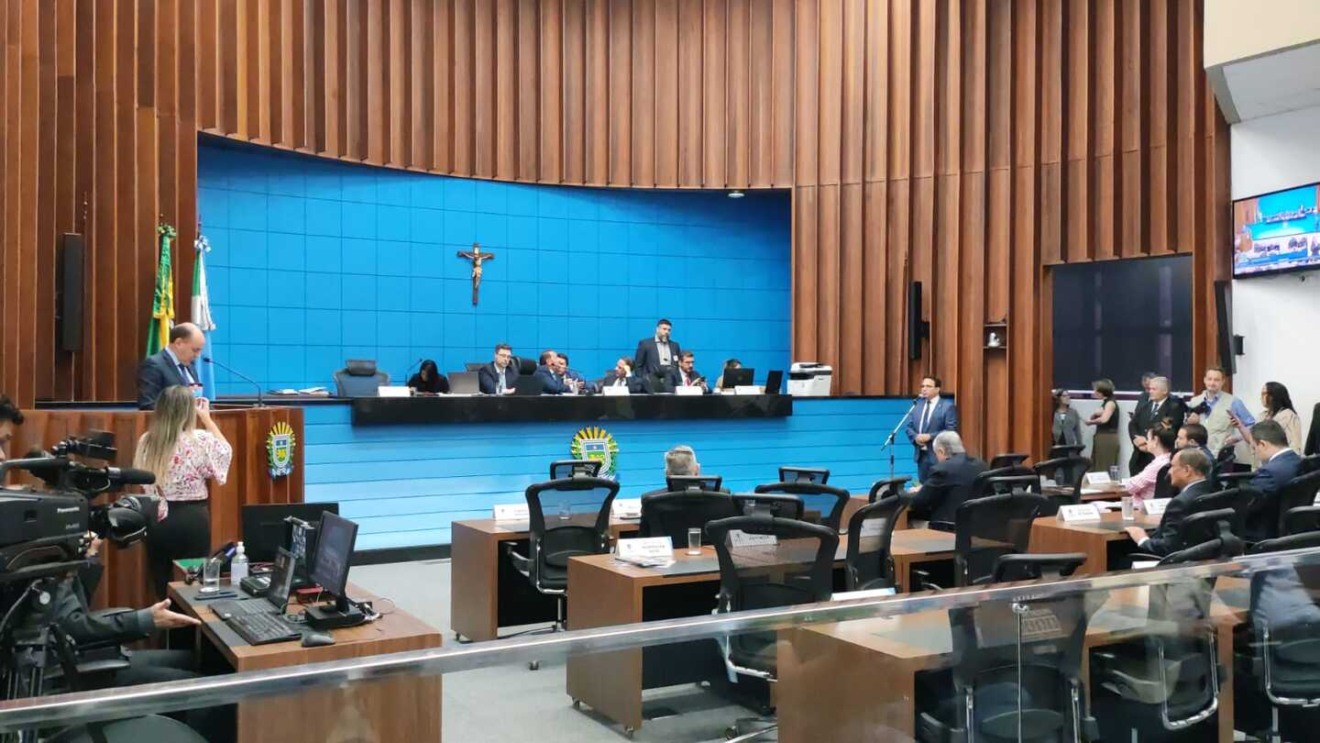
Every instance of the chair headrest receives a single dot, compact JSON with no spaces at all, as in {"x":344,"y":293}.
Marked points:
{"x":360,"y":367}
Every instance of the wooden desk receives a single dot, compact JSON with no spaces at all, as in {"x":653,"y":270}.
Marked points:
{"x":606,"y":593}
{"x":855,"y":680}
{"x":1108,"y":491}
{"x":403,"y":708}
{"x":486,"y":593}
{"x":1050,"y":534}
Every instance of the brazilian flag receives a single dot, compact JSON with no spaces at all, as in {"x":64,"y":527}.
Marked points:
{"x":162,"y":303}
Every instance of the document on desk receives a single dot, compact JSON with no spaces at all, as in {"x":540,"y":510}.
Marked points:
{"x":646,"y":552}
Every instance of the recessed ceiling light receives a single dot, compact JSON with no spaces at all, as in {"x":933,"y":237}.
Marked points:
{"x":736,"y":194}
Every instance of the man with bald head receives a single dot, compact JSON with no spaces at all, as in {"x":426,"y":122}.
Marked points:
{"x":173,"y":365}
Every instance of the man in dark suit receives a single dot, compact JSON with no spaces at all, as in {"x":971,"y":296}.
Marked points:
{"x":1159,"y":411}
{"x":498,"y":377}
{"x":551,"y":374}
{"x":686,"y":374}
{"x":1188,"y":471}
{"x":172,"y":365}
{"x":949,"y":482}
{"x":1278,"y":466}
{"x":654,"y":353}
{"x":932,"y":416}
{"x":622,"y":376}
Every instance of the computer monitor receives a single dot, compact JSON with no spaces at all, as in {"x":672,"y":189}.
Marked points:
{"x":741,"y":377}
{"x":265,"y":529}
{"x":813,"y":475}
{"x":565,"y":468}
{"x":709,"y":483}
{"x":335,"y":540}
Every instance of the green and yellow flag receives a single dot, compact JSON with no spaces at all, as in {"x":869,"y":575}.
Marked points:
{"x":162,"y":304}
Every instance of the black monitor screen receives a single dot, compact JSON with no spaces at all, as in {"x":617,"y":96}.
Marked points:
{"x":565,"y":468}
{"x":334,"y":549}
{"x":264,"y":528}
{"x":804,"y":474}
{"x":281,"y":579}
{"x":740,"y":377}
{"x":709,"y":483}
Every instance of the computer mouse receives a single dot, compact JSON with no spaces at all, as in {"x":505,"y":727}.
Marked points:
{"x":317,"y":639}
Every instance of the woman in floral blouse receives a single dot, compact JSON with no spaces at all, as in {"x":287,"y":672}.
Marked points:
{"x":183,"y":457}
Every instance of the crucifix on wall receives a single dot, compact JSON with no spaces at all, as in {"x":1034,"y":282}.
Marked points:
{"x":477,"y":257}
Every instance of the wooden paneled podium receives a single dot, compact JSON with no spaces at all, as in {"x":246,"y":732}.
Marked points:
{"x":127,"y":580}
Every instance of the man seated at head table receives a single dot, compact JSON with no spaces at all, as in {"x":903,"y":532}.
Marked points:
{"x":948,"y":485}
{"x":622,"y":376}
{"x":499,"y":376}
{"x":551,"y":374}
{"x":686,"y":374}
{"x":571,"y":374}
{"x":1188,"y":471}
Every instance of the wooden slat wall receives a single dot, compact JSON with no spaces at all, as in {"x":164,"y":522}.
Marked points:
{"x":968,"y":144}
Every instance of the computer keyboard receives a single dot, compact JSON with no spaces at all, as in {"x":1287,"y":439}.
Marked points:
{"x":261,"y":629}
{"x":226,"y":609}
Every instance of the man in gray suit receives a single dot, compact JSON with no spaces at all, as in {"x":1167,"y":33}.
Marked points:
{"x":172,"y":365}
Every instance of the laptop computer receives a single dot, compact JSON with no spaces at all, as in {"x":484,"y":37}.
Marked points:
{"x":474,"y":365}
{"x":737,"y":377}
{"x":528,"y":385}
{"x":464,"y":383}
{"x":773,"y":381}
{"x":275,"y":598}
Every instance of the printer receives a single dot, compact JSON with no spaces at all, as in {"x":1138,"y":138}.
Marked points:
{"x":809,"y":379}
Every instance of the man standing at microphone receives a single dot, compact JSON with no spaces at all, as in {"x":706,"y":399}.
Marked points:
{"x":932,"y":416}
{"x":172,"y":365}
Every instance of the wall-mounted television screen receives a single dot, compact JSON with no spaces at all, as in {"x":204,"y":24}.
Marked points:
{"x":1277,"y":232}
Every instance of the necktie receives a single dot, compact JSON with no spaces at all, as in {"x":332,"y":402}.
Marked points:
{"x":500,"y":384}
{"x":183,"y":372}
{"x":925,"y":419}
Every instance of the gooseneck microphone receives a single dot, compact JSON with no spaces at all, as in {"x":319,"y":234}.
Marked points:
{"x":261,"y":402}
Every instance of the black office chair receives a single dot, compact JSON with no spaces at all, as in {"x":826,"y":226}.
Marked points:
{"x":1012,"y":459}
{"x":1060,"y":451}
{"x":984,"y":531}
{"x":1168,"y":681}
{"x":1301,"y":520}
{"x":1310,"y":464}
{"x":1300,"y":492}
{"x":1164,"y":487}
{"x":1068,"y":472}
{"x":1234,"y":479}
{"x":578,"y":524}
{"x":799,"y":570}
{"x":770,"y":504}
{"x":826,"y":500}
{"x":818,"y":475}
{"x":359,"y":378}
{"x":869,"y":564}
{"x":1017,"y":675}
{"x":672,"y":514}
{"x":562,"y":469}
{"x":1013,"y":484}
{"x":881,"y":489}
{"x":1037,"y":566}
{"x":154,"y":728}
{"x":981,"y":489}
{"x":1278,"y":654}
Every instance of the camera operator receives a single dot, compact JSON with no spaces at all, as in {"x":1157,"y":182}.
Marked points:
{"x":10,"y":416}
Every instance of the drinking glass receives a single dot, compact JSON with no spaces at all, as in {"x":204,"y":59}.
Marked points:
{"x":565,"y":510}
{"x":211,"y":576}
{"x":694,"y":541}
{"x":1129,"y":510}
{"x":1113,"y":473}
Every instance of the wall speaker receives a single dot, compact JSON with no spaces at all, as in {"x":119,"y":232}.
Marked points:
{"x":1224,"y":322}
{"x":70,"y":291}
{"x":918,"y":329}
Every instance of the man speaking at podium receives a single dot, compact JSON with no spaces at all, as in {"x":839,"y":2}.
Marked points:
{"x":172,"y":365}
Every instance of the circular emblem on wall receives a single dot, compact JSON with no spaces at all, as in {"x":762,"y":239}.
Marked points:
{"x":279,"y":449}
{"x":597,"y":445}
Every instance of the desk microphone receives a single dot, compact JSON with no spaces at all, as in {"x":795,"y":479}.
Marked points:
{"x":260,"y":399}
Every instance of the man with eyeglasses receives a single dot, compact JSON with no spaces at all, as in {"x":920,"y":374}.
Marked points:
{"x":498,"y":377}
{"x":1188,"y":471}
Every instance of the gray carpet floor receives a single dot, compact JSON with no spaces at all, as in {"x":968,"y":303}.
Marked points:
{"x":512,"y":703}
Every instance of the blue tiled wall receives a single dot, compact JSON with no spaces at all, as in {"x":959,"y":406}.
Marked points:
{"x":404,"y":485}
{"x":316,"y":261}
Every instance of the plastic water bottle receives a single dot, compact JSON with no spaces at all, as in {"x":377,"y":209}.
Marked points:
{"x":238,"y":567}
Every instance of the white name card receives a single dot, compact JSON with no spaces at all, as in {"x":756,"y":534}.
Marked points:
{"x":612,"y":391}
{"x":872,"y":527}
{"x":740,"y":538}
{"x":627,"y":508}
{"x":1082,"y":512}
{"x":681,"y":390}
{"x":646,"y":549}
{"x":748,"y":389}
{"x":1097,"y":478}
{"x":394,"y":391}
{"x":1155,"y":506}
{"x":511,"y":512}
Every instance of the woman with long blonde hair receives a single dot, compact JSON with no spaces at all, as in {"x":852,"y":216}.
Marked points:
{"x":183,"y":457}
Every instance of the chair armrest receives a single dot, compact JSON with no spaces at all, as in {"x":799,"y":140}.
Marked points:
{"x":1144,"y":557}
{"x":521,"y":562}
{"x":923,"y":579}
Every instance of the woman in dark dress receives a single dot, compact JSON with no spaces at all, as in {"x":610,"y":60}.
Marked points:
{"x":1104,"y":448}
{"x":428,"y":379}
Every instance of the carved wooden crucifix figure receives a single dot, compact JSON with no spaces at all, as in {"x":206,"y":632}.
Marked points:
{"x":477,"y":256}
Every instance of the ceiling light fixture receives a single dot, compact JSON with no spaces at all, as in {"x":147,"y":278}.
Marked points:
{"x":736,"y":194}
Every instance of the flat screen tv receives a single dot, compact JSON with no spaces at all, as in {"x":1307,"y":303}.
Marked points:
{"x":1277,"y":232}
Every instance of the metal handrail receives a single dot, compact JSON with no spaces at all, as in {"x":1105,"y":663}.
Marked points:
{"x":133,"y":701}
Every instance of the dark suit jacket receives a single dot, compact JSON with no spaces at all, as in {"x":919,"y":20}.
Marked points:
{"x":1167,"y":538}
{"x":634,"y":383}
{"x":1274,"y":474}
{"x":675,"y":378}
{"x":1145,"y":417}
{"x":155,"y":373}
{"x":943,"y":418}
{"x":947,"y":487}
{"x":647,"y":358}
{"x":488,"y":380}
{"x":75,"y":617}
{"x":551,"y":383}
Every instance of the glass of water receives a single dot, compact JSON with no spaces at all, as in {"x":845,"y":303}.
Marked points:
{"x":1113,"y":473}
{"x":211,"y":575}
{"x":565,"y":510}
{"x":694,"y":541}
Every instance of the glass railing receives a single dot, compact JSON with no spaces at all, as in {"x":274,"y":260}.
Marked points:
{"x":1202,"y":651}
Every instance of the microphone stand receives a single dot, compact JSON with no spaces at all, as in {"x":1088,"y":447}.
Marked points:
{"x":261,"y":402}
{"x":889,"y":442}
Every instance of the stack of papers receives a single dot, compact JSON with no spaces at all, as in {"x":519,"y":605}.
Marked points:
{"x":321,"y":391}
{"x":646,"y":561}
